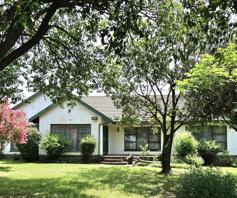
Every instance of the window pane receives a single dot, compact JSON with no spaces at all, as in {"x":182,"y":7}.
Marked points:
{"x":153,"y":138}
{"x":13,"y":147}
{"x":220,"y":136}
{"x":154,"y":146}
{"x":219,"y":130}
{"x":142,"y":137}
{"x":73,"y":132}
{"x":130,"y":138}
{"x":208,"y":133}
{"x":130,"y":131}
{"x":223,"y":146}
{"x":130,"y":146}
{"x":82,"y":131}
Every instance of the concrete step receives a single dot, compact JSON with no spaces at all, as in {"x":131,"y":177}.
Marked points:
{"x":113,"y":159}
{"x":115,"y":156}
{"x":114,"y":163}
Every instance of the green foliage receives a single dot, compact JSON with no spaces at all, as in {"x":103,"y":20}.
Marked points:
{"x":87,"y":144}
{"x":208,"y":150}
{"x":203,"y":183}
{"x":185,"y":144}
{"x":224,"y":159}
{"x":30,"y":150}
{"x":55,"y":145}
{"x":10,"y":83}
{"x":212,"y":81}
{"x":193,"y":160}
{"x":145,"y":150}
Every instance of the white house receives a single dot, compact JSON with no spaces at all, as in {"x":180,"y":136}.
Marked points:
{"x":97,"y":115}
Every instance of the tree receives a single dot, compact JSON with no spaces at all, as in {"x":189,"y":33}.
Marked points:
{"x":11,"y":83}
{"x":143,"y":81}
{"x":50,"y":40}
{"x":13,"y":124}
{"x":210,"y":90}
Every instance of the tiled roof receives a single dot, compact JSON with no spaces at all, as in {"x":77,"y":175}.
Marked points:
{"x":103,"y":104}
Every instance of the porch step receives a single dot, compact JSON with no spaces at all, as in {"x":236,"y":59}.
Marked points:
{"x":114,"y":163}
{"x":114,"y":159}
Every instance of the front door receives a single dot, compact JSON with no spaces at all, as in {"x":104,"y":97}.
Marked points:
{"x":105,"y":140}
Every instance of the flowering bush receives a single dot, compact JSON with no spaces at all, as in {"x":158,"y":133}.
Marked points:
{"x":13,"y":124}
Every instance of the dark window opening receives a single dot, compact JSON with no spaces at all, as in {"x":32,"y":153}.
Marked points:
{"x":216,"y":133}
{"x":136,"y":137}
{"x":74,"y":132}
{"x":13,"y":147}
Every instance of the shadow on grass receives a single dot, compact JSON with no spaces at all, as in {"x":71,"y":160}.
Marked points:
{"x":145,"y":182}
{"x":88,"y":181}
{"x":5,"y":168}
{"x":42,"y":188}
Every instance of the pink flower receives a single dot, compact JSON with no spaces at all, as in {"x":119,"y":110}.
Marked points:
{"x":13,"y":124}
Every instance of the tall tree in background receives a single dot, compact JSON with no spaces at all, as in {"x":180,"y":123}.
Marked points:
{"x":144,"y":80}
{"x":210,"y":90}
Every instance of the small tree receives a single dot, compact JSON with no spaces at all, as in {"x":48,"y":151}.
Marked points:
{"x":13,"y":124}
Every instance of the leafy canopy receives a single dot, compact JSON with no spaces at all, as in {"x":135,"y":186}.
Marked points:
{"x":210,"y":90}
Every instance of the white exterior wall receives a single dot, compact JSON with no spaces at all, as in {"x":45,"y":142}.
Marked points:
{"x":116,"y":141}
{"x":231,"y":141}
{"x":37,"y":104}
{"x":77,"y":115}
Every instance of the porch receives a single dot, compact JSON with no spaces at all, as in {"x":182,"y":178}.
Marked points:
{"x":115,"y":140}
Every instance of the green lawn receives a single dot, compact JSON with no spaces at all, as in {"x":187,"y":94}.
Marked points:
{"x":79,"y":180}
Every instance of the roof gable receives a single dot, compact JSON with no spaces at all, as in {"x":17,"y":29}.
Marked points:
{"x":101,"y":105}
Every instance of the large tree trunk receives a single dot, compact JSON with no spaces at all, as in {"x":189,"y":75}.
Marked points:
{"x":166,"y":153}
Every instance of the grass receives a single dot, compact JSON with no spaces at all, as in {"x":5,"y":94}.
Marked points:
{"x":79,"y":180}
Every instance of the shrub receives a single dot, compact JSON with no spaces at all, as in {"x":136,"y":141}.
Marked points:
{"x":224,"y":159}
{"x":234,"y":163}
{"x":145,"y":150}
{"x":55,"y":145}
{"x":208,"y":150}
{"x":185,"y":144}
{"x":30,"y":150}
{"x":202,"y":183}
{"x":87,"y":147}
{"x":194,"y":160}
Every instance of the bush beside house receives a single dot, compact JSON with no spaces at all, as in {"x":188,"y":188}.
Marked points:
{"x":208,"y":150}
{"x":30,"y":150}
{"x":87,"y":144}
{"x":55,"y":145}
{"x":185,"y":144}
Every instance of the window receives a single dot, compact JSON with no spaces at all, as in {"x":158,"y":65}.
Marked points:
{"x":13,"y":147}
{"x":217,"y":133}
{"x":74,"y":132}
{"x":140,"y":136}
